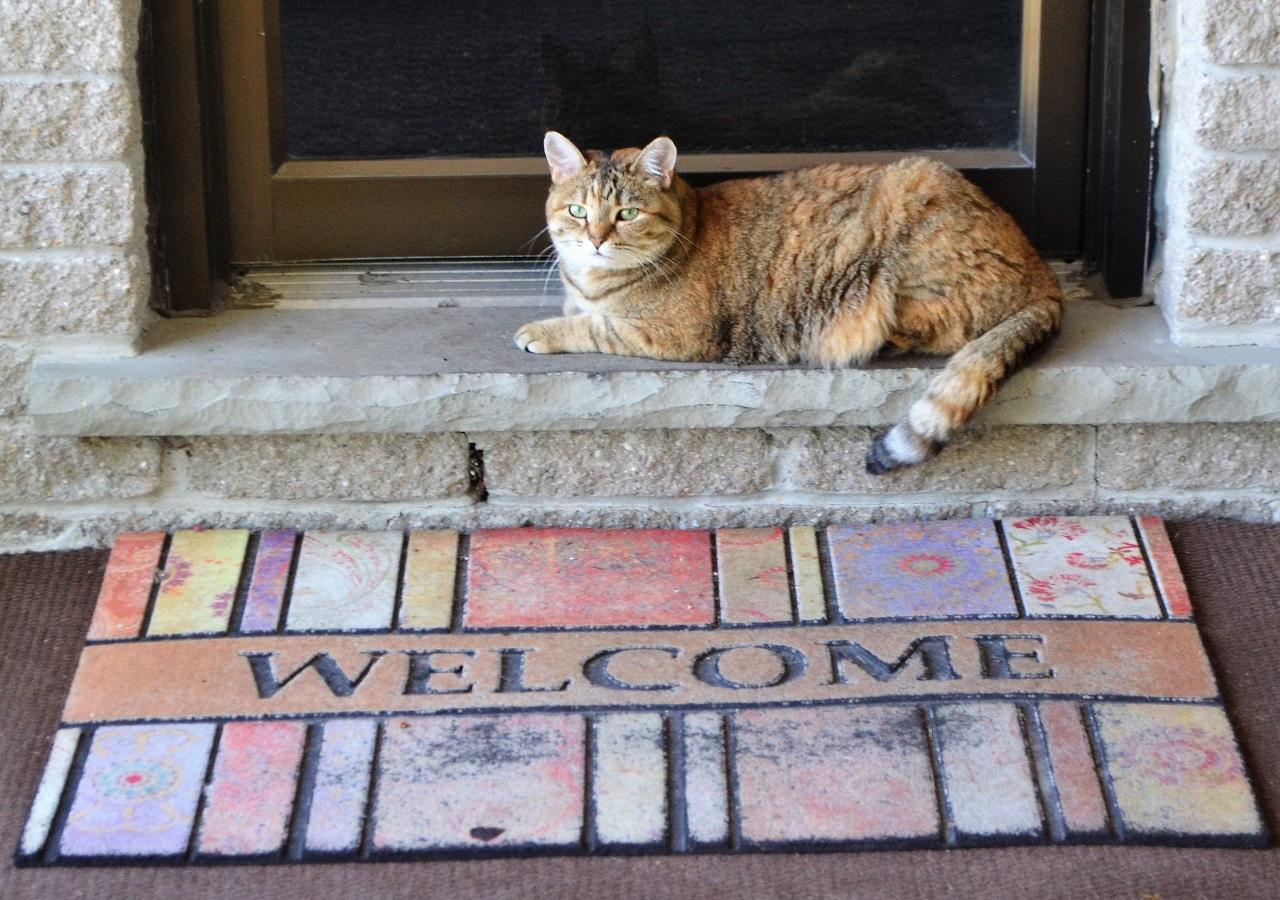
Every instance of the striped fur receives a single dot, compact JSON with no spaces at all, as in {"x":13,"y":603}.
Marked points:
{"x":828,"y":265}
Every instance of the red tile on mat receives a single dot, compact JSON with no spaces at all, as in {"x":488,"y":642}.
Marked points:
{"x":1165,"y":565}
{"x":1084,"y":811}
{"x":250,"y":800}
{"x":546,"y":577}
{"x":126,"y":586}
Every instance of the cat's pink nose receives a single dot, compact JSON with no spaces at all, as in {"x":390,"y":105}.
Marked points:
{"x":598,"y":240}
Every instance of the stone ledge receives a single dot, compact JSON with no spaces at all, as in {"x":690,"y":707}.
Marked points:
{"x":427,"y":370}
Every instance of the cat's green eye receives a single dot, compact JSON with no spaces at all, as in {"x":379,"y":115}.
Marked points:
{"x":577,"y":211}
{"x":628,"y":214}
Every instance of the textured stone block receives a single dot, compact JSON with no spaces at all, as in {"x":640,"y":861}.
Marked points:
{"x":71,"y":207}
{"x":68,"y":35}
{"x":66,"y":119}
{"x":834,"y":774}
{"x":75,"y":469}
{"x":1199,"y":456}
{"x":1236,"y":32}
{"x":1068,"y":566}
{"x":1176,"y":770}
{"x":345,"y":579}
{"x":627,"y":463}
{"x":249,"y":801}
{"x":832,"y":460}
{"x":629,"y":780}
{"x":378,"y":467}
{"x":576,"y":577}
{"x":1238,"y":113}
{"x":752,"y":569}
{"x":920,"y":569}
{"x":91,"y":294}
{"x":138,"y":793}
{"x":1229,"y":197}
{"x":1222,"y":287}
{"x":476,"y":781}
{"x":15,"y":367}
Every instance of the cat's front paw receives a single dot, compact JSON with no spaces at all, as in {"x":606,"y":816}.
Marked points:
{"x":538,"y":337}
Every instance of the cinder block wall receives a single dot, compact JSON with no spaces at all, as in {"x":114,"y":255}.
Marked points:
{"x":74,"y":279}
{"x":1219,"y":191}
{"x":74,"y":275}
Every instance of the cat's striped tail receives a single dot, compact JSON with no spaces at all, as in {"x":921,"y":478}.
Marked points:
{"x":971,"y":376}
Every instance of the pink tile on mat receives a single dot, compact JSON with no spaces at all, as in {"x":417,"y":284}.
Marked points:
{"x":250,"y":798}
{"x":1084,"y":811}
{"x":126,"y":586}
{"x":834,"y":774}
{"x":1080,"y":566}
{"x":480,"y":781}
{"x":1168,"y":574}
{"x":580,"y":576}
{"x":754,"y":586}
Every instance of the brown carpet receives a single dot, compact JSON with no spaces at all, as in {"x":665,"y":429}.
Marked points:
{"x":1232,"y":570}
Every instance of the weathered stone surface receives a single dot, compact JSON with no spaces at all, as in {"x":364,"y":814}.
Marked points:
{"x":15,"y":366}
{"x":334,"y":467}
{"x":1223,"y":287}
{"x":66,"y":119}
{"x":21,"y":531}
{"x":1136,"y":457}
{"x":1230,"y":197}
{"x":1238,"y":113}
{"x":68,"y":35}
{"x":1237,"y":32}
{"x":410,"y":371}
{"x":96,"y":293}
{"x":71,"y":207}
{"x":1029,"y":458}
{"x":627,"y":463}
{"x":35,"y":469}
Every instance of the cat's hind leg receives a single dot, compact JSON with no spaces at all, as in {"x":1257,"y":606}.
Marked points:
{"x":967,"y":382}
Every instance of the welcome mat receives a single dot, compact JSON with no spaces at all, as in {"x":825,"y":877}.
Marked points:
{"x":361,"y":695}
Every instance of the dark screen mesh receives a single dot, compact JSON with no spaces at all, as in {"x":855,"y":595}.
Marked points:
{"x":388,"y":78}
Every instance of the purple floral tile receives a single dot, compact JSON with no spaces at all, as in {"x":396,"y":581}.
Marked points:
{"x":919,"y":569}
{"x":265,"y":597}
{"x":138,"y":793}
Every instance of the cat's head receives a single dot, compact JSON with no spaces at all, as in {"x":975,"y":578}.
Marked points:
{"x":619,"y":211}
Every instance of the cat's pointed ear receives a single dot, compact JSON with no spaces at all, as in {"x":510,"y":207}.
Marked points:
{"x":563,"y":157}
{"x":658,"y":160}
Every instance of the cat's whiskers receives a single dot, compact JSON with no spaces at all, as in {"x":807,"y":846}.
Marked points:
{"x":534,"y":238}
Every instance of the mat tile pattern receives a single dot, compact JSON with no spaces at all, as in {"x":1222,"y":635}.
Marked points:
{"x":287,"y":697}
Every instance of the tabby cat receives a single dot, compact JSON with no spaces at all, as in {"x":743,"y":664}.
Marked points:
{"x":826,"y":265}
